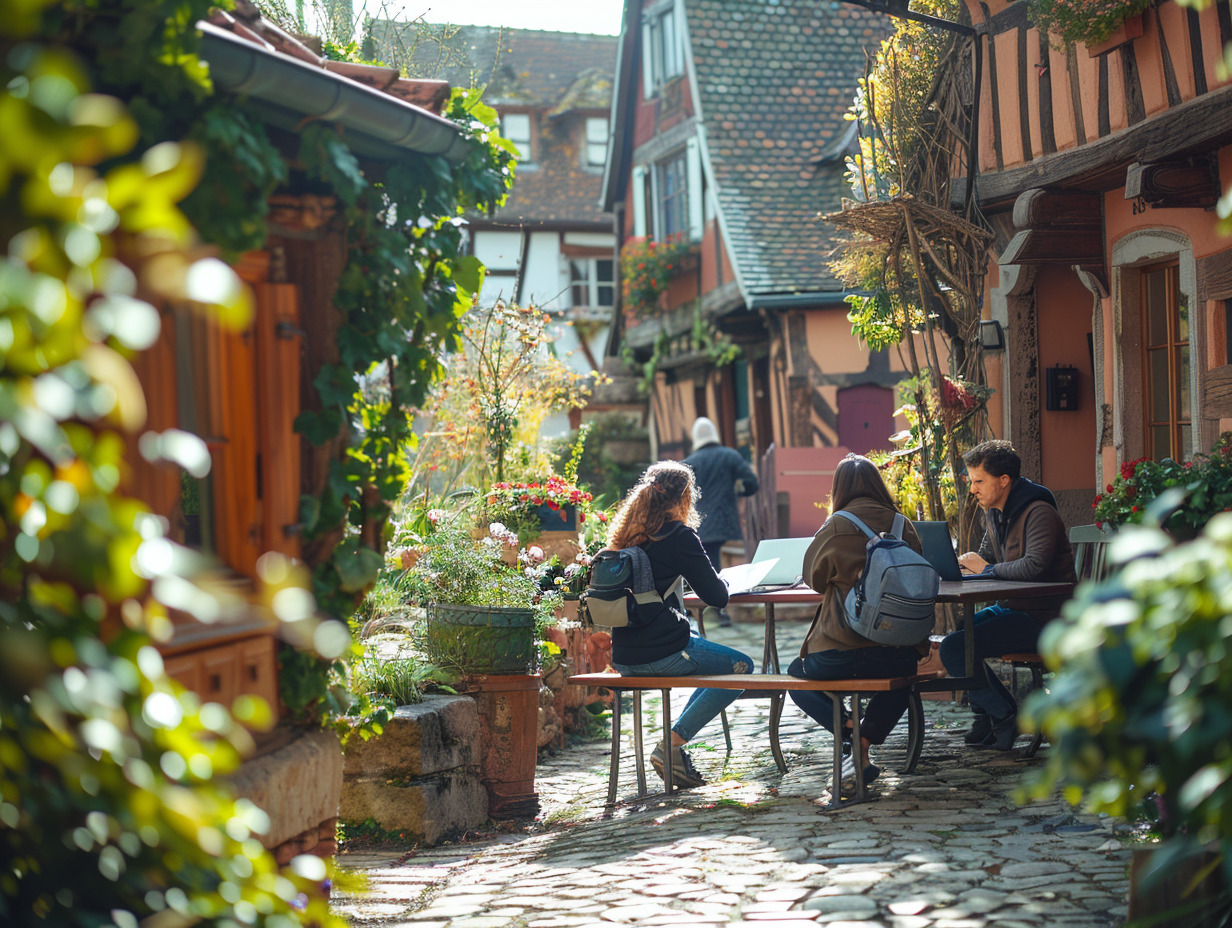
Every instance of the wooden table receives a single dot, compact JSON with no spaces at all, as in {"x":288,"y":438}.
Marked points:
{"x":965,"y":592}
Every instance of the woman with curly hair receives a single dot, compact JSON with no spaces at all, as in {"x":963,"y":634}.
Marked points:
{"x":660,"y":515}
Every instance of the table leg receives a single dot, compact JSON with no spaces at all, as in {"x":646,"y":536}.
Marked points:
{"x":638,"y":752}
{"x":770,"y":648}
{"x":969,"y":637}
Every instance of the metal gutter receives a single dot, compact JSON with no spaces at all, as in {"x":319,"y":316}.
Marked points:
{"x":797,"y":300}
{"x":288,"y":92}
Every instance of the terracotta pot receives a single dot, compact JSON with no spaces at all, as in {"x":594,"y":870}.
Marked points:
{"x":509,"y":721}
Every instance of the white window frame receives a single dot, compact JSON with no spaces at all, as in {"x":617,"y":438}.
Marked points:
{"x":662,"y":48}
{"x":592,"y":282}
{"x":595,"y":143}
{"x":520,"y":139}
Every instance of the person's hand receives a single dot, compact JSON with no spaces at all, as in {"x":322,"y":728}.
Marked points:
{"x":972,"y":563}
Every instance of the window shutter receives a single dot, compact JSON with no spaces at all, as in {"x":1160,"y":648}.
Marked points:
{"x":279,"y":344}
{"x":648,"y":86}
{"x":696,"y":204}
{"x":639,"y":202}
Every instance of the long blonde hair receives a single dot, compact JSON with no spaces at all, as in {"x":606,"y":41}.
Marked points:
{"x":665,"y":491}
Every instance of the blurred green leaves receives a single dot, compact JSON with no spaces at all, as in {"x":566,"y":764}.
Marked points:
{"x":111,"y":810}
{"x":1141,"y":700}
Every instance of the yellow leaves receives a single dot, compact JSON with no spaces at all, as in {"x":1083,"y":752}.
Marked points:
{"x":107,"y":367}
{"x":144,"y":195}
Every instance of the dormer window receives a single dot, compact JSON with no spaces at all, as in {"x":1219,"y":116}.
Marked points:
{"x":516,"y":128}
{"x":662,"y":49}
{"x":596,"y":141}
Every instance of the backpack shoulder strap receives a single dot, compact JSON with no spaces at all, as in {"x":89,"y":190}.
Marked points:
{"x":900,"y":525}
{"x":643,"y":577}
{"x":856,"y":522}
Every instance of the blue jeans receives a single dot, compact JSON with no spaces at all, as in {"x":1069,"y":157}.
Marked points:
{"x":998,"y":631}
{"x":884,"y":709}
{"x":699,"y":657}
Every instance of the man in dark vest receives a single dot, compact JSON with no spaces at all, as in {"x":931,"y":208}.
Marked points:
{"x":722,"y":474}
{"x":1024,"y":539}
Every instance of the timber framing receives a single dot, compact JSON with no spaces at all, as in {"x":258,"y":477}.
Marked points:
{"x":1195,"y":126}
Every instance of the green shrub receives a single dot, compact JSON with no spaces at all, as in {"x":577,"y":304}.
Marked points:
{"x":1141,"y":701}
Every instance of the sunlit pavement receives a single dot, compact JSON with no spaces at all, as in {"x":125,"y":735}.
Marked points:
{"x":946,"y":847}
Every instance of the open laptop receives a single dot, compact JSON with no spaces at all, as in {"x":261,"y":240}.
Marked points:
{"x":778,"y":563}
{"x":939,"y":551}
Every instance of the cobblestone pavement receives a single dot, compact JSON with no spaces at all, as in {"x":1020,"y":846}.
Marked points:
{"x":946,"y":847}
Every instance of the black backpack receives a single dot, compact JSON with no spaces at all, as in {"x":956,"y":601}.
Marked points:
{"x":621,"y":582}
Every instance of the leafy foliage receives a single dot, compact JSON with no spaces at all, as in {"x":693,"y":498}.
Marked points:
{"x":1206,"y":482}
{"x":111,"y":810}
{"x":402,"y":293}
{"x":483,"y":419}
{"x":646,"y":268}
{"x":1139,"y":703}
{"x":1085,"y":21}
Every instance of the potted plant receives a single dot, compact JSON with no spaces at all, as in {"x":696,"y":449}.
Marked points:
{"x":1090,"y":24}
{"x":1205,"y":485}
{"x":551,"y":504}
{"x":483,"y":620}
{"x":1137,"y":714}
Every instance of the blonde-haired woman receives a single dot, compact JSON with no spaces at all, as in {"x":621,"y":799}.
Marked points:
{"x":660,"y":515}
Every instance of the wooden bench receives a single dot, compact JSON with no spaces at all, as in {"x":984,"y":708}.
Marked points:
{"x":758,"y":684}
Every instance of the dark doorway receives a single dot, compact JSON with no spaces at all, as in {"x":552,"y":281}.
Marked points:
{"x":865,"y":418}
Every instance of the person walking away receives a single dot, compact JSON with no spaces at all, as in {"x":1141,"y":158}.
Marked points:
{"x":660,"y":515}
{"x":722,"y":475}
{"x":832,"y":650}
{"x":1024,"y":539}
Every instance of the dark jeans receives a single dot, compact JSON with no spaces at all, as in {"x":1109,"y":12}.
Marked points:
{"x":884,"y":709}
{"x":997,"y":631}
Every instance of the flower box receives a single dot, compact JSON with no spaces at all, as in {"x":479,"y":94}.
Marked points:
{"x":1129,"y":30}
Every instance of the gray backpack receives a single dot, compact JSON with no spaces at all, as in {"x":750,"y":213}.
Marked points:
{"x":622,"y":591}
{"x":893,"y":602}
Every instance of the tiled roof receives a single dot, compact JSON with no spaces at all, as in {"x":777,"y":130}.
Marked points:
{"x":555,"y":74}
{"x":525,"y":67}
{"x":775,"y":78}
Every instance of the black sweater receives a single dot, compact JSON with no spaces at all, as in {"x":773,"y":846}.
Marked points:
{"x":677,"y":552}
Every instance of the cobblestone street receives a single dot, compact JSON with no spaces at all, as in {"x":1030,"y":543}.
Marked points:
{"x":946,"y":847}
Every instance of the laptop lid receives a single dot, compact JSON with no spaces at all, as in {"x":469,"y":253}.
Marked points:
{"x":939,"y":549}
{"x":790,"y":555}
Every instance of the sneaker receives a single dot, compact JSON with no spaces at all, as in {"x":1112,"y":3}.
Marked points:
{"x":848,"y":778}
{"x":684,"y":774}
{"x":1001,"y":735}
{"x":980,"y":730}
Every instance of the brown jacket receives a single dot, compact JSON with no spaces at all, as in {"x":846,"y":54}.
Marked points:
{"x":832,"y":565}
{"x":1028,"y":541}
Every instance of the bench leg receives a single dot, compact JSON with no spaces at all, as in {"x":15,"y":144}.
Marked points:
{"x":669,"y":784}
{"x":915,"y":729}
{"x":855,"y":747}
{"x":639,"y":753}
{"x":726,"y":730}
{"x":1037,"y":683}
{"x":776,"y":713}
{"x":836,"y":786}
{"x":613,"y":774}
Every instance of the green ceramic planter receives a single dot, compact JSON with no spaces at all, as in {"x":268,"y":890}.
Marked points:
{"x":482,"y":639}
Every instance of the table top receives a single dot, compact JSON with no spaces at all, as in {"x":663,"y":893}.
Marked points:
{"x":950,"y":591}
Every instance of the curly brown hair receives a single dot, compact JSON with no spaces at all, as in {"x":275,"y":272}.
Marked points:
{"x":666,"y":491}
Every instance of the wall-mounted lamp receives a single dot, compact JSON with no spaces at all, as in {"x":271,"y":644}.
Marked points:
{"x":992,"y":336}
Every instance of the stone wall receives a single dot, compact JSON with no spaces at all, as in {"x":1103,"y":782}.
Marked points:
{"x":297,"y":783}
{"x":420,"y":777}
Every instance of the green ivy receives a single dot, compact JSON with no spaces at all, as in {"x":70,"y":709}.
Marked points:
{"x":402,"y":294}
